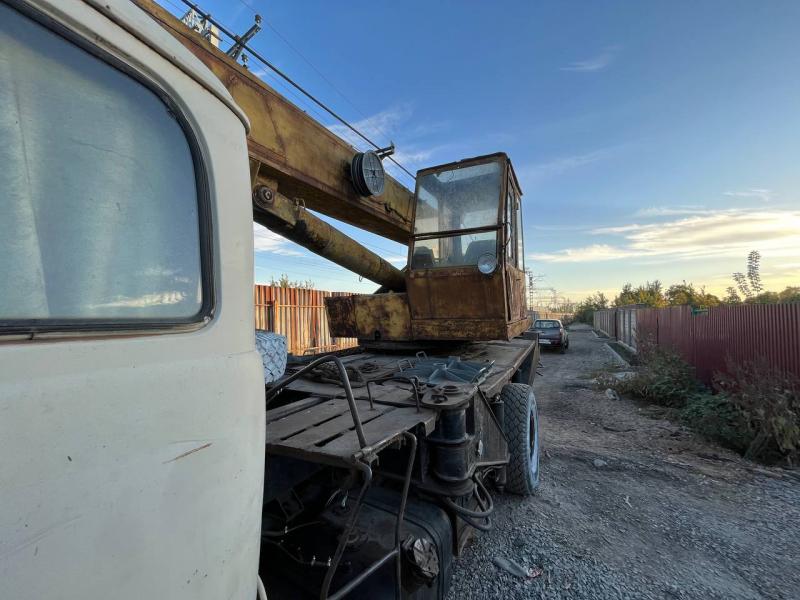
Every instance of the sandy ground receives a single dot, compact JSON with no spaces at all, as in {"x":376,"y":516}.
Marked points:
{"x":633,"y":506}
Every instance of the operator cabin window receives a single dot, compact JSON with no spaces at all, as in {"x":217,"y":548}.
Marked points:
{"x":99,"y":216}
{"x":456,"y":200}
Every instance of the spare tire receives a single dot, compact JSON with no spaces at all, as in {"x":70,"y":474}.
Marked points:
{"x":522,"y":431}
{"x":272,"y":348}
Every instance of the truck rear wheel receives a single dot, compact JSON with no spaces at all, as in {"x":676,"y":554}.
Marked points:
{"x":522,"y":431}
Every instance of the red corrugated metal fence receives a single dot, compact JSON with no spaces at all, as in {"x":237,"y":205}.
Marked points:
{"x":299,"y":314}
{"x":712,"y":339}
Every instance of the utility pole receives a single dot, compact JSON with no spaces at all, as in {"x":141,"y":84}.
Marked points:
{"x":532,"y":279}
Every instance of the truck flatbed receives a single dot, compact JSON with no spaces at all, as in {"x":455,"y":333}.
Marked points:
{"x":393,"y":393}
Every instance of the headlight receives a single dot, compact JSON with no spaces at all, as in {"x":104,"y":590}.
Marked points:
{"x":487,"y":263}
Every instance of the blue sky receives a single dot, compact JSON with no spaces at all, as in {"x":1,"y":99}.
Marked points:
{"x":653,"y":140}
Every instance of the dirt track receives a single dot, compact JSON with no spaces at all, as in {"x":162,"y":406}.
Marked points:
{"x":633,"y":506}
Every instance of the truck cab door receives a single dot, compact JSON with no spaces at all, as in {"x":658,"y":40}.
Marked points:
{"x":131,"y":394}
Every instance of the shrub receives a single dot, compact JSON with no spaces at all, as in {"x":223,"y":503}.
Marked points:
{"x":665,"y":379}
{"x":770,"y":401}
{"x":755,"y":409}
{"x":715,"y":417}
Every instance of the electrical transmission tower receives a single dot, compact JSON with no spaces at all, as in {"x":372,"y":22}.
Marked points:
{"x":532,"y":279}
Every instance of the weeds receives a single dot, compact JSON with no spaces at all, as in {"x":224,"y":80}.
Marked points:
{"x":770,"y":400}
{"x":754,"y":411}
{"x":665,"y":379}
{"x":714,"y":417}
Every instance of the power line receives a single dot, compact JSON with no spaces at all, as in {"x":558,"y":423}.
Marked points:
{"x":291,"y":81}
{"x":315,"y":69}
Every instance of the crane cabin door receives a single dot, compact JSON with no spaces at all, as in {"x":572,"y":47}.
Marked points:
{"x":131,"y":393}
{"x":514,"y":252}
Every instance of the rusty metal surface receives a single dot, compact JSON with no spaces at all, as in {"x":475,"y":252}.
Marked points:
{"x":383,"y":316}
{"x":507,"y":357}
{"x":288,"y":147}
{"x":371,"y":316}
{"x":298,"y":314}
{"x":726,"y":335}
{"x":467,"y":329}
{"x":461,"y":303}
{"x":341,"y":313}
{"x":456,"y":293}
{"x":386,"y":317}
{"x":290,"y":219}
{"x":516,"y":293}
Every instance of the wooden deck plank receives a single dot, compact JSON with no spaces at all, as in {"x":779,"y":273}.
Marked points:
{"x":310,"y":417}
{"x":290,"y":409}
{"x":327,"y":430}
{"x":381,"y":431}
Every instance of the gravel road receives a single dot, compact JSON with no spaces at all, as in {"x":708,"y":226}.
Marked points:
{"x":633,"y":506}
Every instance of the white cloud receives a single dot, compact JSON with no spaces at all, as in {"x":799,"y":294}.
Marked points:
{"x":413,"y":157}
{"x":265,"y":240}
{"x":595,"y":63}
{"x":384,"y":126}
{"x":759,"y":193}
{"x":725,"y":234}
{"x":671,"y":211}
{"x":377,"y":127}
{"x":594,"y":252}
{"x":616,"y":229}
{"x":560,"y":165}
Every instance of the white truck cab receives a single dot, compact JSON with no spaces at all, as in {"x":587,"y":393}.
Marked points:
{"x":131,"y":392}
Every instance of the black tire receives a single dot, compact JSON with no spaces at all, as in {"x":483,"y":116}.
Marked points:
{"x":522,"y":431}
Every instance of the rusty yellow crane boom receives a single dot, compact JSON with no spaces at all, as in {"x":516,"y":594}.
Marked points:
{"x":292,"y":221}
{"x":465,"y":277}
{"x":292,"y":153}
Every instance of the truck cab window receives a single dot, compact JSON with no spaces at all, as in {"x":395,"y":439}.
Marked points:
{"x":99,"y":211}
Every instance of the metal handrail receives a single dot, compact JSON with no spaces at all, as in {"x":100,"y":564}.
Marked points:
{"x":413,"y":380}
{"x":348,"y":391}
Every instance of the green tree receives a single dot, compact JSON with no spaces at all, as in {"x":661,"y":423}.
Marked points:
{"x":649,"y":294}
{"x":764,"y":298}
{"x":754,"y":271}
{"x":741,"y":283}
{"x":584,"y":311}
{"x":732,"y":297}
{"x":790,"y":295}
{"x":685,"y":294}
{"x":284,"y":282}
{"x":750,"y":285}
{"x":680,"y":294}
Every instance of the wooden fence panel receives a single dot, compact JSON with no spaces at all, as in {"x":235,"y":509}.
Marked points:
{"x":298,"y":314}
